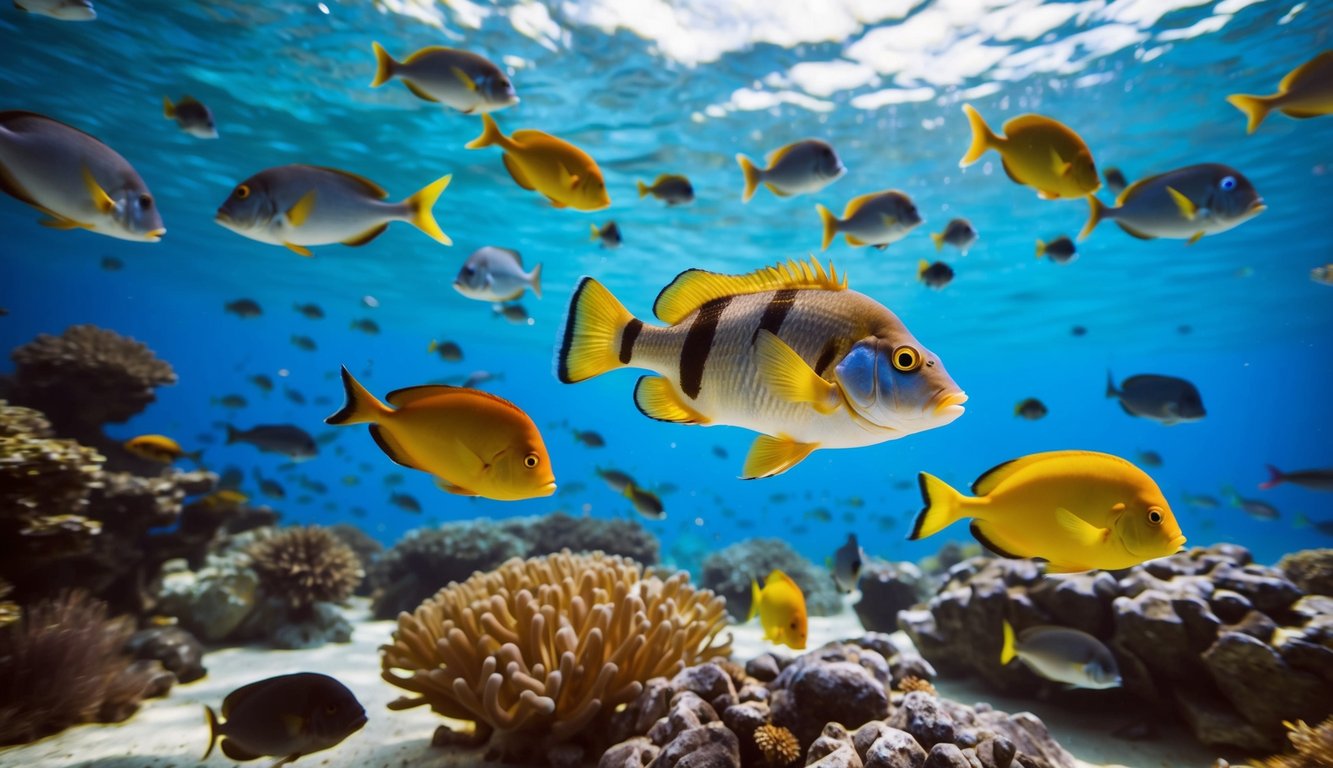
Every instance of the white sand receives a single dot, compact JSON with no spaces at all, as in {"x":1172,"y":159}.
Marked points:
{"x":171,"y":733}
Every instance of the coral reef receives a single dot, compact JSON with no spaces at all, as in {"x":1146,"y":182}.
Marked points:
{"x":539,"y":652}
{"x":913,"y":683}
{"x":1233,"y":647}
{"x":558,"y":531}
{"x":777,"y":745}
{"x":1313,"y":746}
{"x":304,"y":566}
{"x":887,"y":588}
{"x":62,"y":664}
{"x":728,"y":572}
{"x":1310,"y":569}
{"x":367,"y":551}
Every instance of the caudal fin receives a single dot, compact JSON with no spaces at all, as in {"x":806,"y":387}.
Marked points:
{"x":1097,"y":211}
{"x":938,"y":237}
{"x":596,"y":337}
{"x":168,"y":109}
{"x":419,"y":209}
{"x":751,"y":177}
{"x":982,"y":137}
{"x":1256,"y":108}
{"x":1007,"y":652}
{"x":232,"y":434}
{"x":1111,"y":391}
{"x":1041,"y":248}
{"x":1275,"y":476}
{"x":490,"y":133}
{"x":596,"y":233}
{"x":830,"y":225}
{"x":643,"y":189}
{"x":212,"y":719}
{"x":943,"y":507}
{"x":754,"y":600}
{"x":384,"y":66}
{"x":360,"y":407}
{"x":536,"y":280}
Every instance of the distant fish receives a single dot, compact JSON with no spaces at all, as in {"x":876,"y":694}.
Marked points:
{"x":1062,"y":655}
{"x":288,"y":716}
{"x":112,"y":264}
{"x":314,"y":486}
{"x":460,"y":79}
{"x":477,"y":378}
{"x":877,"y":219}
{"x":496,"y":274}
{"x":394,"y":479}
{"x":514,"y":312}
{"x":1259,"y":510}
{"x":1031,"y":409}
{"x":405,"y":502}
{"x":243,"y":308}
{"x":1306,"y":91}
{"x":847,"y":562}
{"x":304,"y":343}
{"x":1202,"y":501}
{"x":608,"y":234}
{"x":800,"y":168}
{"x":310,"y":311}
{"x":230,"y":401}
{"x":1184,"y":204}
{"x":645,"y":502}
{"x":720,"y":452}
{"x":365,"y":325}
{"x":449,"y":351}
{"x":1150,"y":458}
{"x":673,"y":189}
{"x":1061,"y":250}
{"x":780,"y":606}
{"x":1165,"y":399}
{"x":1323,"y":526}
{"x":958,"y":232}
{"x":64,"y":10}
{"x":935,"y":275}
{"x":551,"y":166}
{"x":618,"y":481}
{"x":1078,"y":330}
{"x":269,"y":487}
{"x":192,"y":116}
{"x":159,"y":448}
{"x":1037,"y":152}
{"x":1314,"y":479}
{"x":1322,"y":274}
{"x":589,"y":438}
{"x":285,"y":439}
{"x":1115,"y":180}
{"x":294,"y":395}
{"x":263,"y":382}
{"x":231,"y":479}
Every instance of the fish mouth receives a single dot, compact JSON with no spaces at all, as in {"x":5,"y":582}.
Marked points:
{"x":1177,"y":544}
{"x":1257,"y":207}
{"x":950,"y":404}
{"x":546,"y":490}
{"x":153,"y":235}
{"x":222,"y":217}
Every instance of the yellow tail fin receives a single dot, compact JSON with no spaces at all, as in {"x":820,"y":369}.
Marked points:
{"x":643,"y":189}
{"x":432,"y":346}
{"x":921,"y":266}
{"x":943,"y":507}
{"x":982,"y":137}
{"x":938,"y":237}
{"x":830,"y":225}
{"x":595,"y":338}
{"x":490,"y":133}
{"x":1256,"y":108}
{"x":213,"y":734}
{"x":595,"y":233}
{"x":1041,"y":248}
{"x":537,"y":280}
{"x":168,"y":109}
{"x":384,"y":66}
{"x":754,"y":600}
{"x":751,"y":177}
{"x":1007,"y":652}
{"x":1097,"y":211}
{"x":419,"y":209}
{"x":361,"y":407}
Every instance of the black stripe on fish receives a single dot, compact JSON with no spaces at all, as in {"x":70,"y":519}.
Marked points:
{"x":627,"y":339}
{"x":698,"y":344}
{"x":775,"y":312}
{"x":826,"y":356}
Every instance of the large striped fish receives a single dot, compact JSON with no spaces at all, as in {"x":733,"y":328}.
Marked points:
{"x":787,"y":351}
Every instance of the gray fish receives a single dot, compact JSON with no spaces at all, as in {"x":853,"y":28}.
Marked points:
{"x":1061,"y":250}
{"x":1031,"y":409}
{"x":287,"y":716}
{"x":192,"y":116}
{"x":405,"y":502}
{"x":935,"y":275}
{"x":1164,"y":399}
{"x":618,"y":480}
{"x":365,"y":325}
{"x":449,"y":351}
{"x":467,"y":82}
{"x":609,"y":234}
{"x":479,"y":377}
{"x":1115,"y":180}
{"x":1202,"y":501}
{"x":270,"y":488}
{"x":673,"y":189}
{"x":847,"y":561}
{"x":286,"y":439}
{"x":799,"y":168}
{"x":295,"y":396}
{"x":1314,"y":479}
{"x":1150,"y":458}
{"x":496,"y":274}
{"x":1063,"y":655}
{"x":262,"y":381}
{"x":645,"y":502}
{"x":112,"y":264}
{"x":514,"y":313}
{"x":75,"y":179}
{"x":1184,"y":204}
{"x":589,"y":438}
{"x":1259,"y":510}
{"x":876,"y":219}
{"x":958,"y":232}
{"x":64,"y":10}
{"x":244,"y":308}
{"x":311,"y":311}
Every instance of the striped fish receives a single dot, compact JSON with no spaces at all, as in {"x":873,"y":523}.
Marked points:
{"x":787,"y":351}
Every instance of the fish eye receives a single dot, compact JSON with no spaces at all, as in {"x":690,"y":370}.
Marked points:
{"x":531,"y":460}
{"x":243,"y":191}
{"x":330,"y":708}
{"x":1154,"y":516}
{"x":145,"y":201}
{"x":906,"y":359}
{"x":1228,"y":183}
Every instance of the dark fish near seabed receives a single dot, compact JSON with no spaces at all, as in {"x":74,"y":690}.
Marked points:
{"x":609,"y":234}
{"x":645,"y":502}
{"x":1164,"y":399}
{"x":618,"y":480}
{"x":263,"y":382}
{"x":847,"y":562}
{"x":304,"y":343}
{"x":270,"y":488}
{"x":449,"y":351}
{"x":286,"y":439}
{"x":405,"y":502}
{"x":1031,"y":409}
{"x":288,"y":716}
{"x":1314,"y":479}
{"x":243,"y":308}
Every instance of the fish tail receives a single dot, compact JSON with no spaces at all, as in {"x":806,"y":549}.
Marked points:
{"x":361,"y":407}
{"x":921,"y":266}
{"x":754,"y":600}
{"x":596,"y":336}
{"x":1097,"y":211}
{"x":536,"y":280}
{"x":1275,"y":476}
{"x":751,"y":177}
{"x":1256,"y":108}
{"x":982,"y":137}
{"x":490,"y":134}
{"x":384,"y":66}
{"x":432,"y":346}
{"x":1041,"y":248}
{"x":168,"y":109}
{"x":830,"y":226}
{"x":233,"y":436}
{"x":943,"y":506}
{"x":643,"y":189}
{"x":595,"y":233}
{"x":938,"y":237}
{"x":1007,"y":652}
{"x":1111,"y":391}
{"x":213,"y":729}
{"x":419,"y":209}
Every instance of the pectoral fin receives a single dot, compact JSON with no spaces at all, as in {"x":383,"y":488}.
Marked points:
{"x":1194,"y":238}
{"x":1061,"y":167}
{"x":771,"y":456}
{"x":463,"y":78}
{"x":657,"y":400}
{"x":300,"y":212}
{"x":1186,"y":206}
{"x":887,"y":220}
{"x":1083,"y":533}
{"x":449,"y":487}
{"x":855,"y":240}
{"x":300,"y":249}
{"x":101,"y":200}
{"x":235,"y":752}
{"x":789,"y":377}
{"x":60,"y":222}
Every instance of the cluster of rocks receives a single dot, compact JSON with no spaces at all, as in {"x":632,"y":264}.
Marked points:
{"x":839,"y":706}
{"x":1234,"y":647}
{"x":728,"y":572}
{"x":887,"y":588}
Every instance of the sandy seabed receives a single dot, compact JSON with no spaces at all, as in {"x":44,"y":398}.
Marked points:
{"x":171,"y":732}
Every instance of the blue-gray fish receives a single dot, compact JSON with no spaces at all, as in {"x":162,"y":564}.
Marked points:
{"x":65,"y":10}
{"x":1063,"y":655}
{"x":847,"y":562}
{"x":1184,"y":204}
{"x":671,"y":188}
{"x":876,"y":219}
{"x":799,"y":168}
{"x":75,"y":179}
{"x":463,"y":80}
{"x":192,"y":115}
{"x":958,"y":233}
{"x":1314,"y":479}
{"x":286,"y":439}
{"x":1164,"y":399}
{"x":496,"y":274}
{"x":287,"y":716}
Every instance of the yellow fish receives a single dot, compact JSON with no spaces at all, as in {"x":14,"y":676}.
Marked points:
{"x":538,"y":161}
{"x":1038,"y":152}
{"x":780,"y":606}
{"x":1079,"y":510}
{"x":1306,"y":91}
{"x":159,"y":448}
{"x":474,"y":443}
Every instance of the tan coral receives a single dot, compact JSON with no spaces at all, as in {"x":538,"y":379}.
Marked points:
{"x":307,"y":565}
{"x":778,"y":745}
{"x":913,"y":683}
{"x":1314,"y":746}
{"x":538,"y":650}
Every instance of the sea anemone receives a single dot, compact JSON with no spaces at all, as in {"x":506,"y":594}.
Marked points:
{"x":1314,"y":746}
{"x":304,"y":566}
{"x":778,"y":745}
{"x":914,"y":683}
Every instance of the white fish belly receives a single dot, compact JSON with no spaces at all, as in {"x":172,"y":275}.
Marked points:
{"x":49,"y":168}
{"x":338,"y":215}
{"x":441,"y":83}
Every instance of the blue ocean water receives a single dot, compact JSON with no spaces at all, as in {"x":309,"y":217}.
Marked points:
{"x":651,"y":87}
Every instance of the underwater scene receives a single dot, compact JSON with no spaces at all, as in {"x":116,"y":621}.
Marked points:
{"x":624,"y":383}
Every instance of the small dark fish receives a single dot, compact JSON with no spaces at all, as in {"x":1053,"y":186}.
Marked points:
{"x":1184,"y":329}
{"x":314,"y":486}
{"x":192,"y":115}
{"x":112,"y":264}
{"x":673,"y":189}
{"x":405,"y":502}
{"x":294,"y":395}
{"x":1314,"y":479}
{"x":720,"y":452}
{"x":1061,"y":250}
{"x":351,"y":481}
{"x":1259,"y":510}
{"x":847,"y":562}
{"x":312,"y":311}
{"x":1031,"y":409}
{"x":1164,"y":399}
{"x":1150,"y":458}
{"x":958,"y":233}
{"x":288,"y":716}
{"x":819,"y":514}
{"x":290,"y":441}
{"x":448,"y":351}
{"x":305,"y":499}
{"x":1115,"y":180}
{"x":609,"y":234}
{"x":645,"y":502}
{"x":394,"y":478}
{"x":262,"y":381}
{"x":514,"y":313}
{"x":366,"y":325}
{"x":230,"y":401}
{"x":231,"y":479}
{"x":304,"y":342}
{"x":1078,"y":330}
{"x":243,"y":308}
{"x":270,"y":488}
{"x":935,"y":275}
{"x":618,"y":480}
{"x":589,"y":438}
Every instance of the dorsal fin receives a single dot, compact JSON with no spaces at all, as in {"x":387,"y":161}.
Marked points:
{"x":778,"y":575}
{"x":370,"y":186}
{"x":695,"y":287}
{"x":1296,"y":74}
{"x":401,"y":397}
{"x":1125,"y":193}
{"x":992,"y":477}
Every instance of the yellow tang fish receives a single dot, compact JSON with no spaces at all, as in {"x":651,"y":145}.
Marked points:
{"x":474,"y":443}
{"x":1306,"y":91}
{"x":780,"y":606}
{"x":1038,"y":152}
{"x":538,"y":161}
{"x":159,"y":448}
{"x":787,"y":351}
{"x":1079,"y":510}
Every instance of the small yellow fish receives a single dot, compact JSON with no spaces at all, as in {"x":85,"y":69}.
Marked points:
{"x":474,"y":443}
{"x":1079,"y":510}
{"x":1306,"y":91}
{"x":1038,"y":152}
{"x":158,"y":448}
{"x":224,"y":498}
{"x":780,"y":606}
{"x":538,"y":161}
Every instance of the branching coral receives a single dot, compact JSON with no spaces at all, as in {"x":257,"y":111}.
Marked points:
{"x":913,"y":683}
{"x":305,"y":566}
{"x":1314,"y":747}
{"x":538,"y":651}
{"x":778,"y":745}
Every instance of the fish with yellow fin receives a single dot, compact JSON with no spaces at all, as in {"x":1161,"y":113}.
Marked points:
{"x":288,"y":716}
{"x":780,"y":606}
{"x":474,"y":443}
{"x":1306,"y":91}
{"x":787,"y":351}
{"x":1079,"y":510}
{"x":159,"y":448}
{"x":540,"y":162}
{"x":876,"y":219}
{"x":800,"y":168}
{"x":1184,"y":204}
{"x":1038,"y":152}
{"x":192,"y":115}
{"x":461,"y":79}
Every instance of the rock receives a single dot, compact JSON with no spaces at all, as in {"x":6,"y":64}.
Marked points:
{"x":1215,"y":724}
{"x":157,"y":680}
{"x":1080,"y":600}
{"x":1254,"y":624}
{"x":763,"y":667}
{"x":1267,"y":588}
{"x":831,"y":739}
{"x":1229,"y":606}
{"x":212,"y":602}
{"x":687,"y":711}
{"x":866,"y":736}
{"x":1312,"y":607}
{"x":1148,"y":627}
{"x":178,"y":650}
{"x":814,"y":691}
{"x":946,"y":756}
{"x":1200,"y":622}
{"x":710,"y":682}
{"x":895,"y":749}
{"x":1311,"y":570}
{"x":743,"y":720}
{"x":887,"y":589}
{"x":273,"y":619}
{"x":635,"y":753}
{"x":842,"y":757}
{"x":1261,"y":686}
{"x":708,"y":746}
{"x":920,"y":715}
{"x":996,"y":753}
